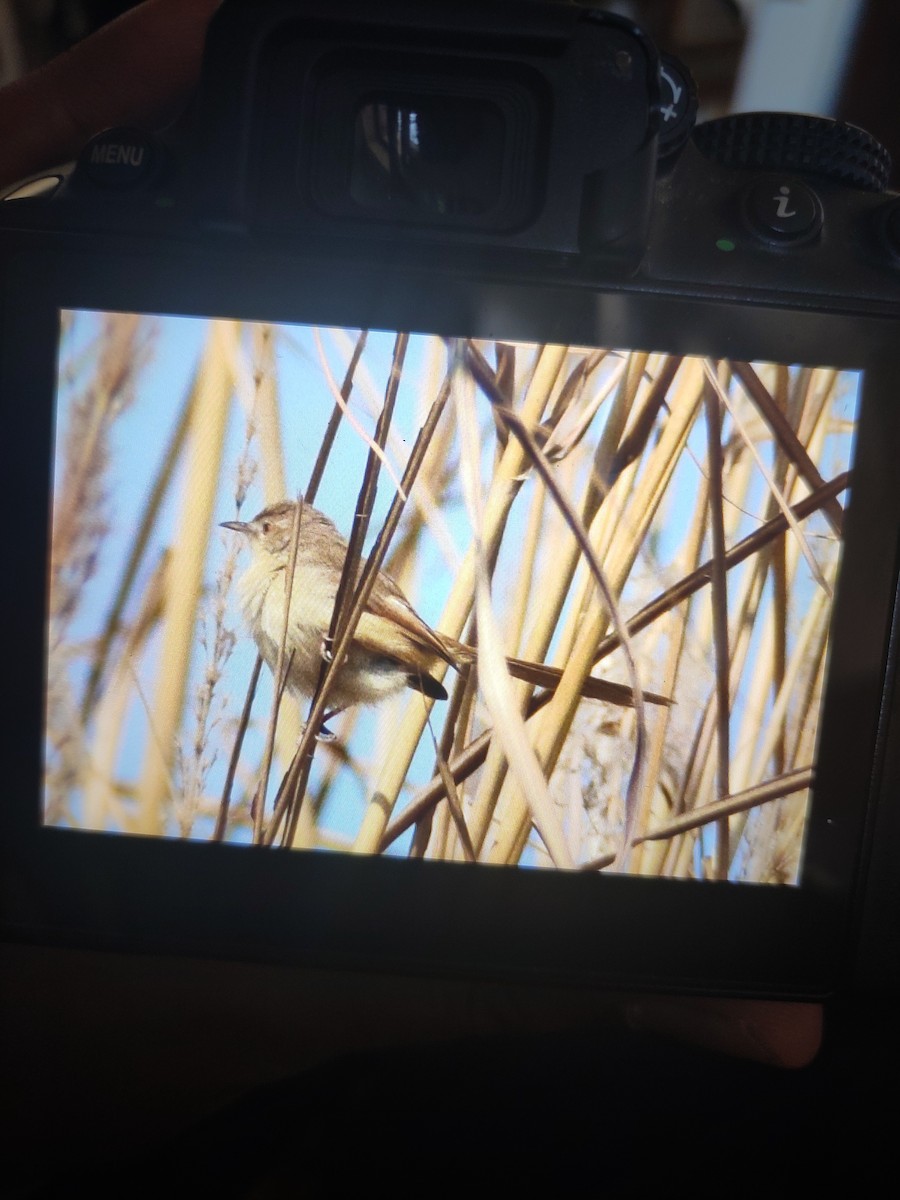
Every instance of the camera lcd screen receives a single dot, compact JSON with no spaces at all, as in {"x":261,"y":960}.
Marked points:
{"x":671,"y":526}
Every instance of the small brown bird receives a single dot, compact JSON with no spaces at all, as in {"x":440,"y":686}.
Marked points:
{"x":392,"y":647}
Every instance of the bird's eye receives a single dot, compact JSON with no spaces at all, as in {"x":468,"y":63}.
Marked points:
{"x":266,"y":526}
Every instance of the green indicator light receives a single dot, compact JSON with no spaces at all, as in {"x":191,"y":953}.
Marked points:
{"x":725,"y":244}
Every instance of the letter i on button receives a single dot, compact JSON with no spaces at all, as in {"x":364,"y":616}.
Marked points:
{"x":783,"y":200}
{"x":782,"y":210}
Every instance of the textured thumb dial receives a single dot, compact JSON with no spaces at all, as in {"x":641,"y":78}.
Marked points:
{"x":794,"y":142}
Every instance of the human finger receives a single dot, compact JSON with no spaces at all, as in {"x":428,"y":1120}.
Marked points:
{"x":139,"y":69}
{"x":775,"y":1032}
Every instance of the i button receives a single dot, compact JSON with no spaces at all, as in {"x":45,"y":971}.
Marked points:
{"x":783,"y":211}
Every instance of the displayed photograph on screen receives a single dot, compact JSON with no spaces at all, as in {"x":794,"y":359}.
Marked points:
{"x":382,"y":593}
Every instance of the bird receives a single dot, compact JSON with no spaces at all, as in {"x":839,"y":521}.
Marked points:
{"x":392,"y":647}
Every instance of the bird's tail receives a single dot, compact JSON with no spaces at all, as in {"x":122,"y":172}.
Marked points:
{"x":544,"y":676}
{"x":594,"y":689}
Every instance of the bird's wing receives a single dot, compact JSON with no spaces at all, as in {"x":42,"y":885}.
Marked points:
{"x":390,"y":618}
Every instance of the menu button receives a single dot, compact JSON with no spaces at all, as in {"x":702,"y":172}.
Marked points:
{"x":119,"y":159}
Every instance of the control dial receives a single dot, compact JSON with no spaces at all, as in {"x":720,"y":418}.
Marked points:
{"x":793,"y":142}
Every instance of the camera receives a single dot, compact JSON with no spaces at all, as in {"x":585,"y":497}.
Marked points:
{"x":567,"y":423}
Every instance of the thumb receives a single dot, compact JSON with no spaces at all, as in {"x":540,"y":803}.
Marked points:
{"x":140,"y":68}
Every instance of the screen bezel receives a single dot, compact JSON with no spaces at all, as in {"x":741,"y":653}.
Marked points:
{"x":105,"y":889}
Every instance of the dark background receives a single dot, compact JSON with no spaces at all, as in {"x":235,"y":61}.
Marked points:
{"x":137,"y":1074}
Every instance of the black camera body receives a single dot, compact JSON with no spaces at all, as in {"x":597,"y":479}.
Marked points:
{"x":512,"y":186}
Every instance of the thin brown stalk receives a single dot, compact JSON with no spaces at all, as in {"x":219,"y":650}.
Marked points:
{"x":719,"y":598}
{"x":786,"y":438}
{"x":375,"y":447}
{"x":568,"y":425}
{"x":224,"y":804}
{"x":635,"y":440}
{"x":571,"y":387}
{"x":334,"y":420}
{"x":366,"y":499}
{"x":282,"y":670}
{"x":810,"y":648}
{"x":738,"y":553}
{"x":763,"y":793}
{"x":454,"y":801}
{"x":459,"y":712}
{"x":606,"y":466}
{"x":699,"y":779}
{"x":775,"y":491}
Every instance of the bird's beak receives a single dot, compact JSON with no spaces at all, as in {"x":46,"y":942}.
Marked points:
{"x":237,"y":526}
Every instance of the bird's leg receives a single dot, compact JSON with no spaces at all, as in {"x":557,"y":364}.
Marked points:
{"x":327,"y":650}
{"x":324,"y":734}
